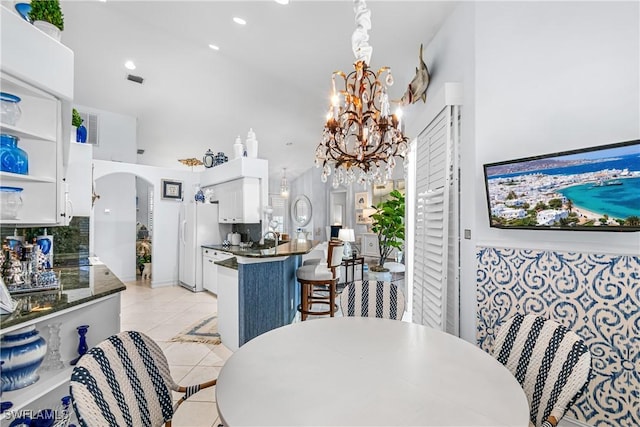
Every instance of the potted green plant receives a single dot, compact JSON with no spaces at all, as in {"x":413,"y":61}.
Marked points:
{"x":76,"y":120}
{"x":388,"y":224}
{"x":141,"y":260}
{"x":47,"y":16}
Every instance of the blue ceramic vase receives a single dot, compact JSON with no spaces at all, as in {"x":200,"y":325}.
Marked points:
{"x":22,"y":352}
{"x":81,"y":134}
{"x":13,"y":158}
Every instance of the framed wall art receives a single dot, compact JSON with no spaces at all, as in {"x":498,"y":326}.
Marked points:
{"x":362,"y":200}
{"x":171,"y":190}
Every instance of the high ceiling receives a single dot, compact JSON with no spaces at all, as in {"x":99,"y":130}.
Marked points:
{"x":272,"y":75}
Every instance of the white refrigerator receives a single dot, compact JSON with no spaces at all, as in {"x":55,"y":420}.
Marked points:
{"x":198,"y":224}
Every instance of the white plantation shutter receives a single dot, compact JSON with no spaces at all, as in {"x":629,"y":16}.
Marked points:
{"x":436,"y":237}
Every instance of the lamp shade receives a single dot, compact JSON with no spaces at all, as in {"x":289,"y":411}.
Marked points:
{"x":347,"y":235}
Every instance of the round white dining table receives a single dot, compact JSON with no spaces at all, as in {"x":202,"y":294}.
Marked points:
{"x":358,"y":371}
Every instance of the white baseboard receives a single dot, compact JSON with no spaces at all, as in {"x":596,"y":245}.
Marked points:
{"x":163,"y":284}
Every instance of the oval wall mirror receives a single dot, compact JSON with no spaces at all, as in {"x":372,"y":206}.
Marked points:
{"x":301,"y":211}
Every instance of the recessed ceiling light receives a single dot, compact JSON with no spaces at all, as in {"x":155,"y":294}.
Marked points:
{"x":214,"y":47}
{"x":129,"y":65}
{"x":239,"y":21}
{"x":282,"y":1}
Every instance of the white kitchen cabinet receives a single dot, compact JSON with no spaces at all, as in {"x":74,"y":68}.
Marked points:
{"x":210,"y":268}
{"x":46,"y":93}
{"x":239,"y":201}
{"x":78,"y":179}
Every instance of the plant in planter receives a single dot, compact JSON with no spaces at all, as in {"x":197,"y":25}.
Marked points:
{"x":81,"y":130}
{"x":76,"y":120}
{"x":47,"y":16}
{"x":388,"y":224}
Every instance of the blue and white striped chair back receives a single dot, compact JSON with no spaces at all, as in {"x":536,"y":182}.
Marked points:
{"x":551,"y":363}
{"x":123,"y":381}
{"x":372,"y":299}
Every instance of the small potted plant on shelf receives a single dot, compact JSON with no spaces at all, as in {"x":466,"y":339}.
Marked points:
{"x":76,"y":120}
{"x":80,"y":134}
{"x":388,"y":224}
{"x":47,"y":16}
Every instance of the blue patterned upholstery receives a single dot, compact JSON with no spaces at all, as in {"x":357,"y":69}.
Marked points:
{"x":551,"y":363}
{"x":125,"y":381}
{"x":372,"y":299}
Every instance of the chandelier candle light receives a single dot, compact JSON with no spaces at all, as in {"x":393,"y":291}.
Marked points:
{"x":360,"y":131}
{"x":284,"y":185}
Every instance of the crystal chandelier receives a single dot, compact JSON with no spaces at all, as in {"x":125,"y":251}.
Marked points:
{"x":360,"y":132}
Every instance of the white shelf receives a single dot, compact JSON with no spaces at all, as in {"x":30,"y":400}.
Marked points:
{"x":23,"y":178}
{"x":25,"y":134}
{"x":48,"y":381}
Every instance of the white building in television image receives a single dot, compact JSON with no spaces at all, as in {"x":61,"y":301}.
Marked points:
{"x":551,"y":216}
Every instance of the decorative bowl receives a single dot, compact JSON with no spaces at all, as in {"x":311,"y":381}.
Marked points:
{"x":10,"y":110}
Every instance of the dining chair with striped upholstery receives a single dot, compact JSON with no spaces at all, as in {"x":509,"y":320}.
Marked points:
{"x":125,"y":381}
{"x":551,"y":363}
{"x":372,"y":299}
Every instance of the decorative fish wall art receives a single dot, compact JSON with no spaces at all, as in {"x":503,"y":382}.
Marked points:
{"x":418,"y":87}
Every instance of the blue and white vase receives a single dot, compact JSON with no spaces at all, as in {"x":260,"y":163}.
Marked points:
{"x":199,"y":197}
{"x":22,"y":351}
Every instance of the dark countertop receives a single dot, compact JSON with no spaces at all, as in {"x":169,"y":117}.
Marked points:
{"x":231,"y":263}
{"x":293,"y":247}
{"x":78,"y":285}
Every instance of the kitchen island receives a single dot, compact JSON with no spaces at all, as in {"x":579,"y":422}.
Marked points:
{"x":88,"y":295}
{"x":257,"y":290}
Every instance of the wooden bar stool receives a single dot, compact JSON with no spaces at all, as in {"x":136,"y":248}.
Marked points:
{"x":318,"y":282}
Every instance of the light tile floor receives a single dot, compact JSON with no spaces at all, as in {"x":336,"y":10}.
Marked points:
{"x":162,"y":313}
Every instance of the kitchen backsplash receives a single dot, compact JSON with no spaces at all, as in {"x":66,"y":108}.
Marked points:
{"x":595,"y":295}
{"x":248,"y":232}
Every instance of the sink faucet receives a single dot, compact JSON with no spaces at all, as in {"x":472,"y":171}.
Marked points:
{"x":275,"y":237}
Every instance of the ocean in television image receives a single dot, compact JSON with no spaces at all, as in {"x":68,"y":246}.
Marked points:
{"x":592,"y":189}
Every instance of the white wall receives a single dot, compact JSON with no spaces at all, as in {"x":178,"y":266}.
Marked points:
{"x":165,"y":218}
{"x":116,"y":135}
{"x":538,"y":77}
{"x":552,"y":77}
{"x":450,"y":57}
{"x":310,"y":185}
{"x":113,"y":224}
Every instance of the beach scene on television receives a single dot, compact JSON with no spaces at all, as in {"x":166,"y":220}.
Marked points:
{"x":593,"y":188}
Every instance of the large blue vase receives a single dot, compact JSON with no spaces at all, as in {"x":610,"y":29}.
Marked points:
{"x":81,"y":134}
{"x":22,"y":352}
{"x":13,"y":158}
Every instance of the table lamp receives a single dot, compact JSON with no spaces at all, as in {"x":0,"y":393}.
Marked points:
{"x":347,"y":236}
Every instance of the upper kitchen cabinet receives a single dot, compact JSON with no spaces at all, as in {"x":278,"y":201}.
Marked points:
{"x":39,"y":71}
{"x":239,"y":201}
{"x":241,"y":187}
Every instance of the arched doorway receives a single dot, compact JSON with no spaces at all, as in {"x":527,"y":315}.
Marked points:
{"x":115,"y":222}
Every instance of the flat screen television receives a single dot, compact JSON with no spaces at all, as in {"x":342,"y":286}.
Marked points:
{"x":596,"y":189}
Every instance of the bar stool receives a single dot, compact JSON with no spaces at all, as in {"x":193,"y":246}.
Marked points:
{"x":316,"y":280}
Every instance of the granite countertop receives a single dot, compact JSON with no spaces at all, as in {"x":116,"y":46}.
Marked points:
{"x":293,"y":247}
{"x":231,"y":263}
{"x":78,"y":285}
